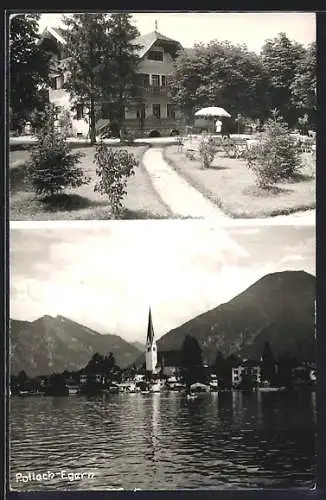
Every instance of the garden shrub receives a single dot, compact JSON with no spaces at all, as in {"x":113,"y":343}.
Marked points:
{"x":207,"y":151}
{"x":113,"y":167}
{"x":276,"y":156}
{"x":53,"y":166}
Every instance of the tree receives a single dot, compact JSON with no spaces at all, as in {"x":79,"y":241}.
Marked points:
{"x":120,"y":65}
{"x":95,"y":364}
{"x":221,"y":369}
{"x":57,"y":386}
{"x":281,"y":59}
{"x":304,"y":84}
{"x":102,"y":63}
{"x":88,"y":46}
{"x":28,"y":68}
{"x":53,"y":164}
{"x":113,"y":167}
{"x":22,"y":378}
{"x":191,"y":360}
{"x":109,"y":364}
{"x":215,"y":74}
{"x":268,"y":364}
{"x":284,"y":370}
{"x":276,"y":156}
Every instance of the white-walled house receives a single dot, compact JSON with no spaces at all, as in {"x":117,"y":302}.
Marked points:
{"x":246,"y":369}
{"x":151,"y":112}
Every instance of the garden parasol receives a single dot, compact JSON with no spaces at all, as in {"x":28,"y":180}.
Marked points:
{"x":213,"y":111}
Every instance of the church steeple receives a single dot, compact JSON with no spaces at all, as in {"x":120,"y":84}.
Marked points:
{"x":156,"y":26}
{"x":151,"y":349}
{"x":150,"y":329}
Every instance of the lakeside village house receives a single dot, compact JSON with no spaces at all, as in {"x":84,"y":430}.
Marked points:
{"x":151,"y":113}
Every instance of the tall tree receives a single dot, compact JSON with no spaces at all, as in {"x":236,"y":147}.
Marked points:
{"x":22,"y":378}
{"x":88,"y":46}
{"x":281,"y":57}
{"x":121,"y":65}
{"x":304,"y":84}
{"x":268,"y":363}
{"x":28,"y":67}
{"x":214,"y":74}
{"x":95,"y":364}
{"x":191,"y":360}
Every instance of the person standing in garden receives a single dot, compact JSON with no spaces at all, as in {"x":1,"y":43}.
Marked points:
{"x":218,"y":126}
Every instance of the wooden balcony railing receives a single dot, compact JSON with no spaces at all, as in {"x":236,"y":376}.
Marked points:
{"x":153,"y":90}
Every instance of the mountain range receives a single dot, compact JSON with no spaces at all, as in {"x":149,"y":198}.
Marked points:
{"x":279,"y":308}
{"x":54,"y":344}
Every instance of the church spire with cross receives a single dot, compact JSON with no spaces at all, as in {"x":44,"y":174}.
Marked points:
{"x":156,"y":25}
{"x":151,"y":349}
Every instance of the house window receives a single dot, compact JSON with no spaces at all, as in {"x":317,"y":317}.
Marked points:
{"x":148,"y":349}
{"x":80,"y":111}
{"x":163,"y":80}
{"x":156,"y":80}
{"x":155,"y":55}
{"x":236,"y":371}
{"x":141,"y":113}
{"x":171,"y":111}
{"x":143,"y":79}
{"x":157,"y":110}
{"x":59,"y":82}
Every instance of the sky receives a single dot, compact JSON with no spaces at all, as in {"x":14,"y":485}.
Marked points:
{"x":252,"y":28}
{"x":106,"y":276}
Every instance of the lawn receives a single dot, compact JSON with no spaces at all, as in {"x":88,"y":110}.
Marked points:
{"x":231,"y":185}
{"x":141,"y":201}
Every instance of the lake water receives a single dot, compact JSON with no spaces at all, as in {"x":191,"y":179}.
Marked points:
{"x":162,"y":441}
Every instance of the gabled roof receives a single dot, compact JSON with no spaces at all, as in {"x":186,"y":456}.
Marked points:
{"x":148,"y":40}
{"x":144,"y":41}
{"x":57,"y":33}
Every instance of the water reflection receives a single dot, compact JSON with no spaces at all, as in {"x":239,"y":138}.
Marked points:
{"x":163,"y":441}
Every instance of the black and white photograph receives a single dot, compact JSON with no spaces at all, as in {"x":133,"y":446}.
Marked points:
{"x":162,"y":115}
{"x":162,"y":322}
{"x":142,"y":357}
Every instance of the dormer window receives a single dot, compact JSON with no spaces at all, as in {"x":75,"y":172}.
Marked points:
{"x":155,"y":55}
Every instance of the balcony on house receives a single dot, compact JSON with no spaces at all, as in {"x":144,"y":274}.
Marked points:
{"x":154,"y":90}
{"x":152,"y":85}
